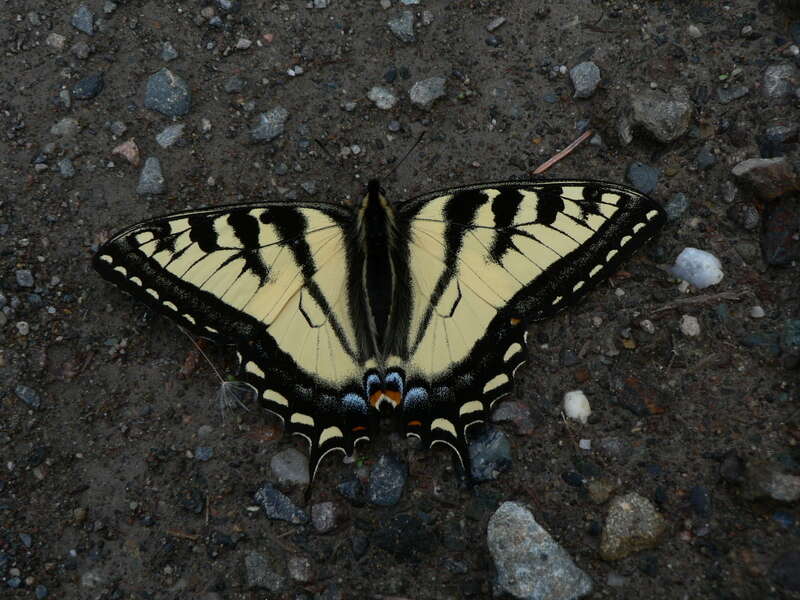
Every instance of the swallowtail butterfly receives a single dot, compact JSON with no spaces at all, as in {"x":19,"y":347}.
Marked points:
{"x":423,"y":306}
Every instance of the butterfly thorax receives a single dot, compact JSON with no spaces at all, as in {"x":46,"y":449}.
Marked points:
{"x":377,"y":241}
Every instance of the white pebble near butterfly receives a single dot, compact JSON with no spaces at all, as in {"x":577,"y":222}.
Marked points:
{"x":576,"y":406}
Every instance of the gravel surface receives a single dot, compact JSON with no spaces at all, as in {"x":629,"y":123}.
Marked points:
{"x":122,"y":476}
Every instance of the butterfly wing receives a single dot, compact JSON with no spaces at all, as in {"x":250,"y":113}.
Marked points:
{"x":483,"y":262}
{"x":274,"y":280}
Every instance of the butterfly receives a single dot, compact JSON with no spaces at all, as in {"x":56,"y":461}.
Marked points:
{"x":422,"y":306}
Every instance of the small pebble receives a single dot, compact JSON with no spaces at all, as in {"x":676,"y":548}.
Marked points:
{"x":382,"y":97}
{"x":425,"y":92}
{"x":83,"y":20}
{"x":585,"y":79}
{"x":576,"y":406}
{"x":643,"y":177}
{"x":24,"y":278}
{"x":66,"y":168}
{"x":676,"y":206}
{"x":690,"y":326}
{"x":203,"y":453}
{"x":170,"y":135}
{"x":88,"y":87}
{"x":490,"y":454}
{"x":402,"y":26}
{"x":168,"y":52}
{"x":278,"y":506}
{"x":151,"y":180}
{"x":495,"y":23}
{"x":270,"y":125}
{"x":386,"y":481}
{"x":167,"y":93}
{"x":28,"y":395}
{"x":757,"y":312}
{"x":698,"y":267}
{"x":129,"y":151}
{"x":323,"y":516}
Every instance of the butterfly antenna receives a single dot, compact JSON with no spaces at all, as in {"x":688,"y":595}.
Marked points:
{"x":405,"y":156}
{"x":563,"y":153}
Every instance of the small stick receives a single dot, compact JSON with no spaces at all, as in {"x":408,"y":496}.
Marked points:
{"x":182,"y":535}
{"x":566,"y":151}
{"x":701,"y":299}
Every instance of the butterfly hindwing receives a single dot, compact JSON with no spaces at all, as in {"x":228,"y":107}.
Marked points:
{"x":486,"y":260}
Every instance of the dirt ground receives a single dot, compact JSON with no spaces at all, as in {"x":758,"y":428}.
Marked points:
{"x":101,"y":494}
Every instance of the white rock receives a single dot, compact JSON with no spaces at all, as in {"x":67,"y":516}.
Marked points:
{"x":383,"y":97}
{"x":576,"y":406}
{"x":585,"y":444}
{"x":647,"y":325}
{"x":690,"y":326}
{"x":698,"y":267}
{"x":757,"y":312}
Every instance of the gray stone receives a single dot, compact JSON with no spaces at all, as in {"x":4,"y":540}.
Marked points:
{"x":81,"y":50}
{"x":309,"y":187}
{"x":726,"y":95}
{"x":632,"y":524}
{"x":529,"y":562}
{"x":323,"y":516}
{"x":425,"y":92}
{"x":779,"y":81}
{"x":290,"y":468}
{"x":382,"y":97}
{"x":263,"y":573}
{"x":24,"y":278}
{"x":767,"y":480}
{"x":66,"y":127}
{"x":495,"y":24}
{"x":168,"y":52}
{"x":490,"y":455}
{"x":83,"y":20}
{"x":170,"y":135}
{"x":269,"y":125}
{"x":28,"y":395}
{"x":642,"y":177}
{"x":203,"y":453}
{"x":278,"y":506}
{"x":705,"y":158}
{"x":386,"y":481}
{"x":117,"y":128}
{"x":585,"y":79}
{"x":402,"y":26}
{"x":234,"y":85}
{"x":151,"y":181}
{"x":300,"y":568}
{"x":88,"y":87}
{"x":167,"y":93}
{"x":676,"y":206}
{"x":66,"y":169}
{"x":666,"y":117}
{"x":745,"y":215}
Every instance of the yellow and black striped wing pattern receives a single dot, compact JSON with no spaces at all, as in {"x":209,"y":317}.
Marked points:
{"x":273,"y":280}
{"x":484,"y":262}
{"x":423,"y":305}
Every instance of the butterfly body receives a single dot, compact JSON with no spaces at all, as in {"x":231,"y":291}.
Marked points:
{"x":422,"y":306}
